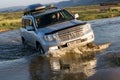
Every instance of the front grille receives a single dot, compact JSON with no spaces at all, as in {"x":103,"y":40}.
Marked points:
{"x":70,"y":33}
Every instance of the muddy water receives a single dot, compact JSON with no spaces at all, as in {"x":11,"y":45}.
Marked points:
{"x":17,"y":63}
{"x":56,"y":70}
{"x":27,"y":64}
{"x":21,"y":63}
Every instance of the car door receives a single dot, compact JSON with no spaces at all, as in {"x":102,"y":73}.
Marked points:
{"x":31,"y":33}
{"x":23,"y":29}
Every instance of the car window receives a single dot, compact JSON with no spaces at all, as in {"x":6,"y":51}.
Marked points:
{"x":26,"y":22}
{"x":53,"y":18}
{"x":23,"y":23}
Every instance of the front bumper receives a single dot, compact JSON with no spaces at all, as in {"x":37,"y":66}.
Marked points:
{"x":81,"y":41}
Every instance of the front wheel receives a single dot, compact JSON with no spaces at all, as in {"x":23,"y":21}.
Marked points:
{"x":24,"y":43}
{"x":40,"y":49}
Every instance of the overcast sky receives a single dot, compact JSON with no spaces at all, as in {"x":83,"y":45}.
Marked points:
{"x":10,"y":3}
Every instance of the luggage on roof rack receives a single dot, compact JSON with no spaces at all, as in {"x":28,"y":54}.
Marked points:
{"x":34,"y":7}
{"x":31,"y":9}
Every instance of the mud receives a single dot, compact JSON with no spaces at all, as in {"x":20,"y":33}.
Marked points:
{"x":78,"y":63}
{"x":87,"y":50}
{"x":88,"y":62}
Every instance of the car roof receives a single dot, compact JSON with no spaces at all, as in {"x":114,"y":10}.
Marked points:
{"x":43,"y":12}
{"x":38,"y":9}
{"x":46,"y":12}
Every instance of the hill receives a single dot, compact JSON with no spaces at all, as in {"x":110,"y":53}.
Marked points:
{"x":84,"y":2}
{"x":63,"y":4}
{"x":13,"y":9}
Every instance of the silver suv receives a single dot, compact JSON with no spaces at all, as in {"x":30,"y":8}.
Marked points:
{"x":49,"y":28}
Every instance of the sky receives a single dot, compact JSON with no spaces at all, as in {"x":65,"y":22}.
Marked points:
{"x":10,"y":3}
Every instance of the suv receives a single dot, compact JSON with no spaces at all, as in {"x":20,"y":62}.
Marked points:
{"x":48,"y":28}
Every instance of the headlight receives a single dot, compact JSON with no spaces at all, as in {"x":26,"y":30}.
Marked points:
{"x":86,"y":28}
{"x":48,"y":37}
{"x":55,"y":35}
{"x":51,"y":37}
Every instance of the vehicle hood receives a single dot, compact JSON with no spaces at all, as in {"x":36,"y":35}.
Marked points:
{"x":61,"y":26}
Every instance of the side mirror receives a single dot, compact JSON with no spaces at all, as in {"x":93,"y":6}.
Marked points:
{"x":29,"y":28}
{"x":76,"y":16}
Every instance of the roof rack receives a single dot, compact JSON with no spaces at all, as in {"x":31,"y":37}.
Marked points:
{"x":35,"y":8}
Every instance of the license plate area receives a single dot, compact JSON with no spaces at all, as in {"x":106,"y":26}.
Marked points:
{"x":73,"y":42}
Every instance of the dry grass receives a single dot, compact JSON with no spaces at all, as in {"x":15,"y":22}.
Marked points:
{"x":10,"y":21}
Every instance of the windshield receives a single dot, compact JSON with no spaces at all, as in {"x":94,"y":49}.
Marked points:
{"x":53,"y":18}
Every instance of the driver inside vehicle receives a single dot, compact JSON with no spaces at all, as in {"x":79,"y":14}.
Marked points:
{"x":56,"y":17}
{"x":38,"y":22}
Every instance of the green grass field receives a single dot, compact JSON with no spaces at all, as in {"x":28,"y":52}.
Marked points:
{"x":12,"y":20}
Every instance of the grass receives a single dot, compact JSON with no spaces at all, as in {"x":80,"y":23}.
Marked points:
{"x":92,"y":12}
{"x":12,"y":20}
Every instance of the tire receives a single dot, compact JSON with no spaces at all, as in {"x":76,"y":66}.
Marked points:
{"x":24,"y":43}
{"x":40,"y":49}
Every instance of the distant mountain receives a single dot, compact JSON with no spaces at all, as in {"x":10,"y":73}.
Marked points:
{"x":63,"y":4}
{"x":83,"y":2}
{"x":13,"y":9}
